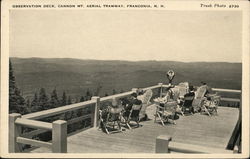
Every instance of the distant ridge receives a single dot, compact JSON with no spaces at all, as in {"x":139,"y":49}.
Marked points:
{"x":77,"y":75}
{"x":75,"y":59}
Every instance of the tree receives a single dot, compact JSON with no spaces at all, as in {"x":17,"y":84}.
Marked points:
{"x":64,"y":99}
{"x":82,"y":99}
{"x":106,"y":94}
{"x":43,"y":100}
{"x":54,"y":102}
{"x":28,"y":106}
{"x":69,"y":100}
{"x":88,"y":95}
{"x":114,"y":91}
{"x":34,"y":104}
{"x":16,"y":101}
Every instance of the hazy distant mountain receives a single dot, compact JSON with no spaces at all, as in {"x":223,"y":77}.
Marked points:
{"x":75,"y":75}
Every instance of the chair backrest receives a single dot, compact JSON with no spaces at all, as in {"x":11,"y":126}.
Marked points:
{"x":183,"y":88}
{"x":147,"y":96}
{"x":176,"y":93}
{"x":170,"y":106}
{"x":114,"y":113}
{"x":199,"y":94}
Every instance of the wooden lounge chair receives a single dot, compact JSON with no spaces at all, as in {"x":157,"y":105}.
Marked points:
{"x":210,"y":106}
{"x":166,"y":112}
{"x":187,"y":104}
{"x":145,"y":103}
{"x":111,"y":118}
{"x":134,"y":115}
{"x":199,"y":98}
{"x":203,"y":104}
{"x":183,"y":89}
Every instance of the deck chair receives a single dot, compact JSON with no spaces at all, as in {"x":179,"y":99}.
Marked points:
{"x":199,"y":98}
{"x":210,"y":106}
{"x":134,"y":115}
{"x":187,"y":104}
{"x":166,"y":112}
{"x":183,"y":89}
{"x":110,"y":118}
{"x":145,"y":102}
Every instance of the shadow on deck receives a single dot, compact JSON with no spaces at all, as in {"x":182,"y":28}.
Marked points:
{"x":195,"y":129}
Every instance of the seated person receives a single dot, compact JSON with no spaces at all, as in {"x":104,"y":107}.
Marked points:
{"x":188,"y":99}
{"x":208,"y":91}
{"x":115,"y":107}
{"x":131,"y":101}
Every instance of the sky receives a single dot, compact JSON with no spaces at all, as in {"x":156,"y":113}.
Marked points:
{"x":132,"y":35}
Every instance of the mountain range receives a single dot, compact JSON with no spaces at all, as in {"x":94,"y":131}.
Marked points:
{"x":76,"y":76}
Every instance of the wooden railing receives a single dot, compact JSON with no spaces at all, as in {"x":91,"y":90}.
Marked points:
{"x":59,"y":127}
{"x":164,"y":144}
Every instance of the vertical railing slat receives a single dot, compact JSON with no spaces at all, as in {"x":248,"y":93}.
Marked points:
{"x":59,"y":136}
{"x":14,"y":132}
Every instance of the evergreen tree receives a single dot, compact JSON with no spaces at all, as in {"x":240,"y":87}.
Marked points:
{"x":64,"y":99}
{"x":114,"y":91}
{"x":54,"y":101}
{"x":43,"y":100}
{"x":16,"y":101}
{"x":88,"y":95}
{"x":28,"y":106}
{"x":106,"y":94}
{"x":82,"y":99}
{"x":34,"y":104}
{"x":69,"y":101}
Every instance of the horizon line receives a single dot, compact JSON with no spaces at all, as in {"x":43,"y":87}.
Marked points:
{"x":122,"y":60}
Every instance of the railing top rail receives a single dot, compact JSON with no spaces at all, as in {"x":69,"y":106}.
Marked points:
{"x":54,"y":111}
{"x":191,"y":148}
{"x":120,"y":95}
{"x":152,"y":87}
{"x":116,"y":96}
{"x":226,"y":90}
{"x":34,"y":123}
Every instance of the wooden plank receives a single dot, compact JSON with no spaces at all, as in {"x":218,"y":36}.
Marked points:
{"x":33,"y":133}
{"x":226,"y":90}
{"x":59,"y":136}
{"x":14,"y":131}
{"x":32,"y":142}
{"x":120,"y":95}
{"x":54,"y":111}
{"x":152,"y":87}
{"x":230,"y":99}
{"x":34,"y":124}
{"x":78,"y":119}
{"x":191,"y":148}
{"x":195,"y":129}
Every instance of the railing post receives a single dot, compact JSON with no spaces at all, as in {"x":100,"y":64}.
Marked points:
{"x":96,"y":111}
{"x":59,"y":136}
{"x":160,"y":89}
{"x":162,"y":143}
{"x":14,"y":131}
{"x":134,"y":90}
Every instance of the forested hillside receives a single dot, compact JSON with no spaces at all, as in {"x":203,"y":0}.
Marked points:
{"x":76,"y":77}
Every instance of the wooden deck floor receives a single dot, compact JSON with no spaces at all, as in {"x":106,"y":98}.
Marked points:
{"x":196,"y":129}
